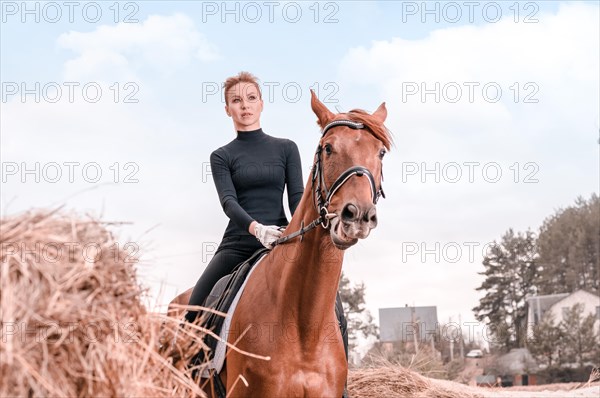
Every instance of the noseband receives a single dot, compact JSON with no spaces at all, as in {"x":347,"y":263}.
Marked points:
{"x":319,"y":187}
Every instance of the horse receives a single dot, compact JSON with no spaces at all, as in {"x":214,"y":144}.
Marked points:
{"x":286,"y":311}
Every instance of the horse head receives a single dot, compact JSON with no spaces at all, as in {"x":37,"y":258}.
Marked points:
{"x":347,"y":171}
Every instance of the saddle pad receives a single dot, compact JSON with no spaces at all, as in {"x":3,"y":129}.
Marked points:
{"x":218,"y":358}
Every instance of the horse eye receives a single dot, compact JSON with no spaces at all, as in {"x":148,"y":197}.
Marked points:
{"x":328,"y":149}
{"x":382,"y":153}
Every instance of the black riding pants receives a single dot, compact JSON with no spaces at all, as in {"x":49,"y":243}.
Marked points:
{"x":232,"y":251}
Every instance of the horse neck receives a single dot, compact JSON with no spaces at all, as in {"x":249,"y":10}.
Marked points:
{"x":311,"y":269}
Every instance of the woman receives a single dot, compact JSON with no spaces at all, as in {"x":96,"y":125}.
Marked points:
{"x":250,"y":174}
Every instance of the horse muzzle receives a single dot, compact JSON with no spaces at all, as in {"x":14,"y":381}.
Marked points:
{"x":353,"y":223}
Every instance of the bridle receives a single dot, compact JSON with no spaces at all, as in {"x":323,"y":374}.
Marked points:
{"x":318,"y":186}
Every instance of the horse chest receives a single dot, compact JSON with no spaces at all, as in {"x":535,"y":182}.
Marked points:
{"x":299,"y":383}
{"x":289,"y":375}
{"x":312,"y":384}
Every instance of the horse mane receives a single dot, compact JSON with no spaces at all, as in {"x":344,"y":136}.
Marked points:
{"x":377,"y":129}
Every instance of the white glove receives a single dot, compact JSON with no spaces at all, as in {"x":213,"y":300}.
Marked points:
{"x":267,"y":234}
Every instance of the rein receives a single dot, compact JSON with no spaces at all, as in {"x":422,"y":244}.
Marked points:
{"x":317,"y":176}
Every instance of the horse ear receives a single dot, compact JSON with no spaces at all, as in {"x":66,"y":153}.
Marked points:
{"x":381,"y":113}
{"x":323,"y":114}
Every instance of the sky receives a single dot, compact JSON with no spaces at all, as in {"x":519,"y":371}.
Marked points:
{"x":113,"y":108}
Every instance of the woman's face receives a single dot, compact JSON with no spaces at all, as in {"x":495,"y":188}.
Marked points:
{"x":244,"y":105}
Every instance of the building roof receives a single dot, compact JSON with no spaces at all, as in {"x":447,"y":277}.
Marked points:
{"x":585,"y":292}
{"x":546,"y":301}
{"x":396,"y":324}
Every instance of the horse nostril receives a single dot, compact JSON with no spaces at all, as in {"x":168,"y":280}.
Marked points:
{"x":371,"y":216}
{"x":350,"y":212}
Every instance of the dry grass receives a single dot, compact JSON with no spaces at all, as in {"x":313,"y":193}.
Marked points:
{"x":553,"y":387}
{"x":73,"y":322}
{"x":395,"y":381}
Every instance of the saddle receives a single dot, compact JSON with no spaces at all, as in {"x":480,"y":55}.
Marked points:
{"x":220,"y":299}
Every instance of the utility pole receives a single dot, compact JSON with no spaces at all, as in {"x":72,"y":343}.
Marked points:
{"x":415,"y":329}
{"x":432,"y":341}
{"x":451,"y":344}
{"x":461,"y":341}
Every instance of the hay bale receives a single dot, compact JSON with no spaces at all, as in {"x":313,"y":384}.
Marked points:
{"x":395,"y":381}
{"x":73,"y":322}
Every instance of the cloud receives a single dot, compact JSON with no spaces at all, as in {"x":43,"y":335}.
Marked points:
{"x":558,"y":56}
{"x":564,"y":42}
{"x":163,"y":43}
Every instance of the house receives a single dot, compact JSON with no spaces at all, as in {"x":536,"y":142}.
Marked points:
{"x":406,"y":323}
{"x":557,"y":304}
{"x":517,"y":368}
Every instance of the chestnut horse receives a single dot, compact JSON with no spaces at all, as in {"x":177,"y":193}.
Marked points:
{"x":286,"y":311}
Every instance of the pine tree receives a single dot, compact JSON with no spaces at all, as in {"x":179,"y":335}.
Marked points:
{"x":360,"y":320}
{"x":569,"y":249}
{"x":510,"y":273}
{"x":545,"y":340}
{"x":579,"y":336}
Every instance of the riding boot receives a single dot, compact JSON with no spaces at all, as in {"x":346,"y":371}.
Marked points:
{"x":343,"y":324}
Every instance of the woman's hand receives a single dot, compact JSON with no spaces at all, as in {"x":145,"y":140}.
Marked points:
{"x":266,"y":234}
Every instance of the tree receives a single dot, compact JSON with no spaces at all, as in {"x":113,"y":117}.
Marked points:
{"x":360,"y":320}
{"x":545,"y":340}
{"x":579,"y":340}
{"x":569,"y":248}
{"x":510,"y":273}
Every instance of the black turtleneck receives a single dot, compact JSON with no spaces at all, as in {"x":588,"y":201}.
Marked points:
{"x":250,"y":174}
